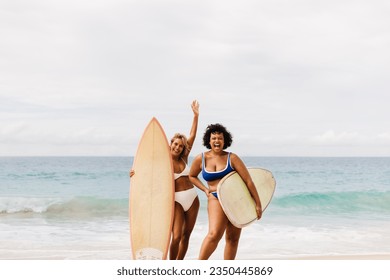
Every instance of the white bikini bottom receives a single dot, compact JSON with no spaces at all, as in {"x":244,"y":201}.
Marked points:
{"x":186,"y":198}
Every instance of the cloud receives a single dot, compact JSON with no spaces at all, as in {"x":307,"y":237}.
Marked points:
{"x":383,"y":138}
{"x":277,"y":73}
{"x":330,"y":137}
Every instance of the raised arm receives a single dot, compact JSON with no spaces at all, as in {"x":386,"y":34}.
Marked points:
{"x":194,"y":127}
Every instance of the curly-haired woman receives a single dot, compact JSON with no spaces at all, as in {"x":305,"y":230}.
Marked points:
{"x":214,"y":165}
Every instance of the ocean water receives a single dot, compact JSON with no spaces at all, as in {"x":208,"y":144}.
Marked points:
{"x":77,"y":208}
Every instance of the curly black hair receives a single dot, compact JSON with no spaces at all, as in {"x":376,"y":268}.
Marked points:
{"x":217,"y":128}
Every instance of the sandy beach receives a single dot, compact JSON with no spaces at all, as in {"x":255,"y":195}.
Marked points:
{"x":345,"y":257}
{"x":115,"y":250}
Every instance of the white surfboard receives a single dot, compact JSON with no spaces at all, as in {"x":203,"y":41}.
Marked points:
{"x":151,"y":203}
{"x":235,"y":199}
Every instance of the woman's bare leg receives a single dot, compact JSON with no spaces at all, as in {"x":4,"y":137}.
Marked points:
{"x":177,"y":230}
{"x":189,"y":223}
{"x":232,"y":238}
{"x":217,"y":226}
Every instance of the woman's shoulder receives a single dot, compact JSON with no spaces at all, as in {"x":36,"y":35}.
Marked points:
{"x":233,"y":156}
{"x":198,"y":157}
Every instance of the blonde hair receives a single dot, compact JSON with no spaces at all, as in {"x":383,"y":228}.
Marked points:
{"x":183,"y":138}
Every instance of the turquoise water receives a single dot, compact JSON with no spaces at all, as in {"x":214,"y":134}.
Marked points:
{"x":77,"y":208}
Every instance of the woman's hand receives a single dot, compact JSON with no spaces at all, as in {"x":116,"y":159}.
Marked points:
{"x":195,"y":107}
{"x":259,"y":211}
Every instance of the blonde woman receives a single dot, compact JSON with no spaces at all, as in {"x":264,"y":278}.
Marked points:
{"x":186,"y":197}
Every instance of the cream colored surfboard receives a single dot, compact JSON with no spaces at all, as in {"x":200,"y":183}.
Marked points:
{"x":151,"y":195}
{"x":235,"y":199}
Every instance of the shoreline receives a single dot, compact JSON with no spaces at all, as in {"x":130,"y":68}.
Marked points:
{"x":93,"y":256}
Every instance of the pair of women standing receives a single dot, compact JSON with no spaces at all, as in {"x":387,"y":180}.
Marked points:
{"x":214,"y":165}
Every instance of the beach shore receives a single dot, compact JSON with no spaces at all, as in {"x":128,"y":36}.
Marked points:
{"x":344,"y":257}
{"x":120,"y":253}
{"x":58,"y":256}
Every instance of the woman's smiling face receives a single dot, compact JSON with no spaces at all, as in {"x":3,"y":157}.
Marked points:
{"x":177,"y":147}
{"x":217,"y":141}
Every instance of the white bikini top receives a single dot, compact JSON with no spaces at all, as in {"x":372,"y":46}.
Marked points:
{"x":185,"y":172}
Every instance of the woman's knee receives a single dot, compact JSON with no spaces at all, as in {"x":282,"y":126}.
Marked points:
{"x":232,"y":240}
{"x":214,"y":235}
{"x":176,"y":237}
{"x":233,"y":236}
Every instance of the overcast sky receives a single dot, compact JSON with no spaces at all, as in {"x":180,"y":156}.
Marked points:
{"x":286,"y":77}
